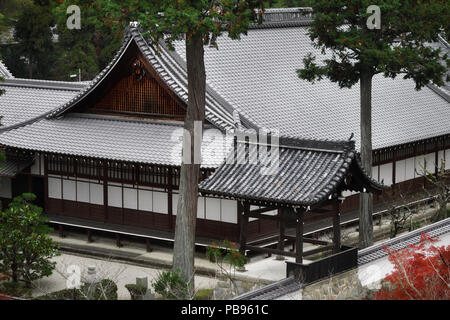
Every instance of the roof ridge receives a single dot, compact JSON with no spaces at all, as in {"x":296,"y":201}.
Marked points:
{"x":284,"y":18}
{"x":5,"y":71}
{"x":45,"y":84}
{"x":294,"y":142}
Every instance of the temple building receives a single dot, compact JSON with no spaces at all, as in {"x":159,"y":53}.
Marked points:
{"x":105,"y":154}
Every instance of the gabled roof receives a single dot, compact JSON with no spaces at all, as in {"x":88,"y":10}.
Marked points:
{"x":4,"y":72}
{"x":25,"y":101}
{"x":171,"y":71}
{"x":257,"y":76}
{"x":114,"y":138}
{"x":308,"y":173}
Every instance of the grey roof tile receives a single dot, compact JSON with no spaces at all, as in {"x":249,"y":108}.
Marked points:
{"x":110,"y":138}
{"x":257,"y":76}
{"x":303,"y":175}
{"x":26,"y":99}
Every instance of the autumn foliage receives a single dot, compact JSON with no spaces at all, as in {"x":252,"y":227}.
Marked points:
{"x":421,"y":272}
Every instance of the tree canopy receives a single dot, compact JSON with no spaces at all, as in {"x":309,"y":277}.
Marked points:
{"x":398,"y":47}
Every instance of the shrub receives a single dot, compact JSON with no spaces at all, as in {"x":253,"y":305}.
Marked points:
{"x":421,"y":272}
{"x":136,"y":291}
{"x":171,"y":285}
{"x":106,"y":289}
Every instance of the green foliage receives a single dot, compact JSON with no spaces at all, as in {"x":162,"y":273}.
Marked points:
{"x":15,"y":289}
{"x":399,"y":47}
{"x":90,"y":48}
{"x":204,"y":294}
{"x":34,"y":36}
{"x":174,"y":20}
{"x":25,"y":247}
{"x":106,"y":289}
{"x":226,"y":252}
{"x":171,"y":285}
{"x":136,"y":291}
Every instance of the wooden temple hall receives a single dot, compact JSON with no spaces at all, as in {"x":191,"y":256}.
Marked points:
{"x":104,"y":155}
{"x":308,"y":178}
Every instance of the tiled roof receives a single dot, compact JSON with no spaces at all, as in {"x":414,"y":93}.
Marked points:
{"x":27,"y":100}
{"x":172,"y":72}
{"x":11,"y":167}
{"x":257,"y":76}
{"x":4,"y":72}
{"x":304,"y":176}
{"x":110,"y":138}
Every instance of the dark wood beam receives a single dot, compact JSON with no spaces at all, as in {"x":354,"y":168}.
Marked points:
{"x":282,"y":229}
{"x":318,"y":250}
{"x":337,"y":226}
{"x":244,"y":227}
{"x":299,"y":235}
{"x":271,"y":251}
{"x":262,"y":210}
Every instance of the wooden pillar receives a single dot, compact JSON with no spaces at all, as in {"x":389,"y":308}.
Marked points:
{"x":105,"y":190}
{"x":336,"y":226}
{"x":299,"y":237}
{"x":244,"y":227}
{"x":281,"y":238}
{"x":118,"y":242}
{"x":45,"y":183}
{"x":169,"y":199}
{"x":61,"y":231}
{"x":147,"y":244}
{"x":89,"y":234}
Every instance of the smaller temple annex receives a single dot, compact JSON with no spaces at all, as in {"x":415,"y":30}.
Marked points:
{"x":105,"y":154}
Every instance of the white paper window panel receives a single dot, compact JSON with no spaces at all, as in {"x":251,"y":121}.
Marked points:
{"x":441,"y":157}
{"x":35,"y":168}
{"x":114,"y":196}
{"x":375,"y":173}
{"x":175,"y":198}
{"x":83,"y":191}
{"x":54,"y":188}
{"x":400,"y":171}
{"x":229,"y":210}
{"x":96,"y":193}
{"x":447,"y":159}
{"x":431,"y":162}
{"x":69,"y":190}
{"x":213,"y":209}
{"x":200,"y":207}
{"x":409,"y":168}
{"x":386,"y":173}
{"x":5,"y":188}
{"x":145,"y":200}
{"x":160,"y":204}
{"x":130,"y":200}
{"x":419,"y":165}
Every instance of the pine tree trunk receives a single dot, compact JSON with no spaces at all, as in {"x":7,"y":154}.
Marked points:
{"x":366,"y":199}
{"x":184,"y":246}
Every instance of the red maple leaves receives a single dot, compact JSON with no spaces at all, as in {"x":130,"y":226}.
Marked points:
{"x":421,"y":272}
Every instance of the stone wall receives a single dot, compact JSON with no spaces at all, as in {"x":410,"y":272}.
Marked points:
{"x":343,"y":286}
